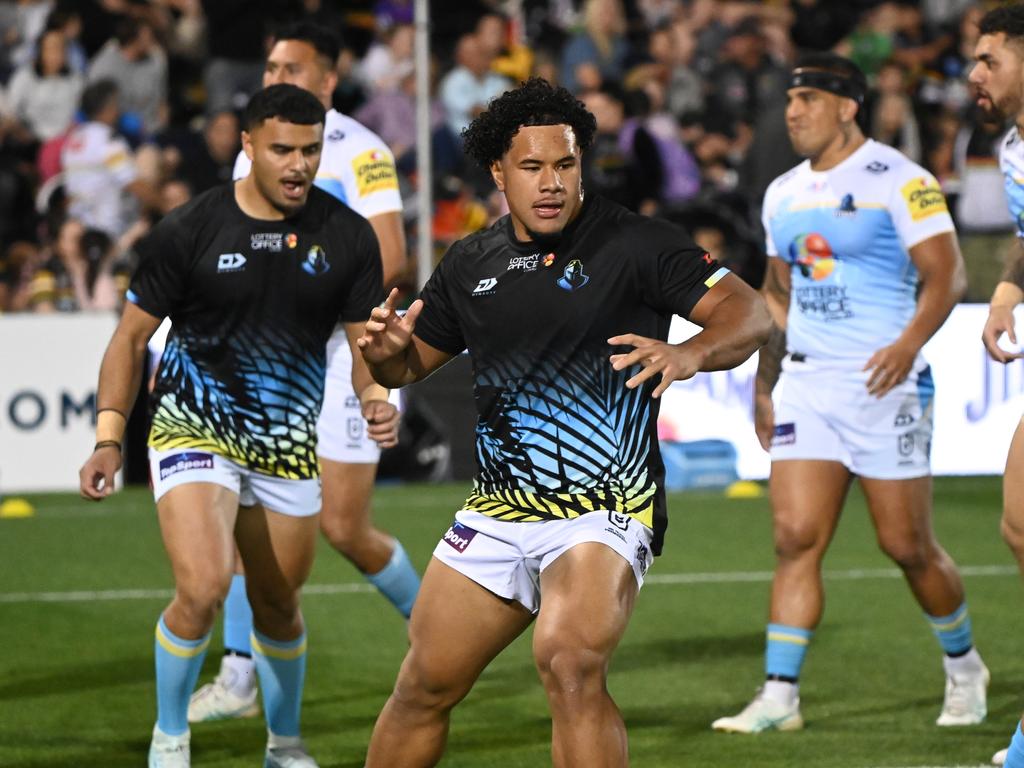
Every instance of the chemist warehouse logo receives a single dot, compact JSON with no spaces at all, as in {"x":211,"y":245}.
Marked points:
{"x":374,"y":172}
{"x":924,"y":198}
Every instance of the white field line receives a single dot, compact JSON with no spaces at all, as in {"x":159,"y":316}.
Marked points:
{"x":669,"y":579}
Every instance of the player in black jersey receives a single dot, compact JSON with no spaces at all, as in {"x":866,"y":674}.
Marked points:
{"x":254,"y":277}
{"x":564,"y":306}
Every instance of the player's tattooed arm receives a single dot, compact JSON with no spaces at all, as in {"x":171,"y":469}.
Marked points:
{"x":776,"y":291}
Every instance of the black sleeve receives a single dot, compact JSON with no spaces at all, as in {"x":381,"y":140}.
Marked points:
{"x":438,"y":324}
{"x":674,"y":272}
{"x":160,"y":282}
{"x":366,"y":288}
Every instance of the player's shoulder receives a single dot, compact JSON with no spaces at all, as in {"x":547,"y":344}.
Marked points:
{"x":880,"y":163}
{"x":347,"y":133}
{"x":1011,"y":147}
{"x":785,"y":181}
{"x":619,"y":228}
{"x":190,"y":219}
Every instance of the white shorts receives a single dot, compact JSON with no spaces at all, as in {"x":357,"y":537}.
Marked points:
{"x":508,"y":558}
{"x":826,"y":413}
{"x":169,"y":469}
{"x":341,"y":428}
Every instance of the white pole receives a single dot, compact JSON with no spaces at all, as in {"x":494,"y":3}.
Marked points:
{"x":425,"y":176}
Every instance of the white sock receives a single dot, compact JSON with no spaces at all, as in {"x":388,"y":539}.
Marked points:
{"x":238,"y":674}
{"x":780,"y":691}
{"x":968,"y":664}
{"x":282,"y":742}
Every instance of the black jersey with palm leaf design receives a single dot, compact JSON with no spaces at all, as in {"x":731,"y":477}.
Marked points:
{"x":558,"y":433}
{"x":252,"y":304}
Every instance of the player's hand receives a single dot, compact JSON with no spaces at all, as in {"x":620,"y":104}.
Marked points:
{"x":387,"y":333}
{"x":889,"y":367}
{"x":96,"y":477}
{"x":675,"y":362}
{"x":382,"y":419}
{"x":764,"y":420}
{"x":1000,"y":321}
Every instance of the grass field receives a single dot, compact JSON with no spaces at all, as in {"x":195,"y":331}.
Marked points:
{"x":81,"y":586}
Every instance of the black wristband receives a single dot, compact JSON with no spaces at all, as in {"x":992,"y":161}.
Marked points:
{"x":107,"y":443}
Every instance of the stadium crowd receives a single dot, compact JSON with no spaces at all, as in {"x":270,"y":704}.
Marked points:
{"x":113,"y":112}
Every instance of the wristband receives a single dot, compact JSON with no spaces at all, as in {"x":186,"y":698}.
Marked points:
{"x":107,"y":443}
{"x":110,"y":425}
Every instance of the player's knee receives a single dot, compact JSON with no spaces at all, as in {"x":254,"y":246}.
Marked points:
{"x":910,"y":553}
{"x":276,"y":611}
{"x":570,"y":672}
{"x":343,"y":531}
{"x":201,"y":600}
{"x":1012,"y":529}
{"x":794,"y":540}
{"x":421,"y":686}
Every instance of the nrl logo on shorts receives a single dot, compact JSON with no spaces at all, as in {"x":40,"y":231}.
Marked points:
{"x":316,"y":261}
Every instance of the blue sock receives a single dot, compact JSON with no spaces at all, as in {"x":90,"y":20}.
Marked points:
{"x":785,"y":650}
{"x":397,"y":581}
{"x":282,"y":670}
{"x":237,"y":618}
{"x":177,"y":668}
{"x":953,"y":631}
{"x":1015,"y":755}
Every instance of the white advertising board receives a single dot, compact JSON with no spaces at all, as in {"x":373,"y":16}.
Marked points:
{"x":49,"y":365}
{"x":977,"y":402}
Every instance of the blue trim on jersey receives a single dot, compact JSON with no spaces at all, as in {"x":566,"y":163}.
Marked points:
{"x":332,"y":187}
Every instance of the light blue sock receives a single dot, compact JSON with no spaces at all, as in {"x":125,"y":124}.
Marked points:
{"x":1015,"y":755}
{"x":397,"y":581}
{"x":282,"y":670}
{"x":178,"y":663}
{"x":237,"y":618}
{"x":953,"y":631}
{"x":785,"y":650}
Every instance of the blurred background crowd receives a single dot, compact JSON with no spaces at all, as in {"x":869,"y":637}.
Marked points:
{"x":113,"y":112}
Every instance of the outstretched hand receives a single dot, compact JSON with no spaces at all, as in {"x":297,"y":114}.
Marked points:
{"x":387,"y":333}
{"x":675,"y":362}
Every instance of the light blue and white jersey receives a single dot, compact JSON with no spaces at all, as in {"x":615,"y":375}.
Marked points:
{"x":356,"y":167}
{"x":1011,"y":163}
{"x":847,"y":233}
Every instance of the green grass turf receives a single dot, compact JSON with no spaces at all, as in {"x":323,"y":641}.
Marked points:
{"x":76,"y":681}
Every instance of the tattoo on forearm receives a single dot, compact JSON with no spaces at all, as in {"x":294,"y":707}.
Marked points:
{"x":769,"y":361}
{"x":1014,"y":272}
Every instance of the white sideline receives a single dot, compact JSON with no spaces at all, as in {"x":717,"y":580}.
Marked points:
{"x":722,"y":577}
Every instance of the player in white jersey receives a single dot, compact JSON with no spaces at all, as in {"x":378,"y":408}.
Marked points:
{"x":864,"y":267}
{"x":358,"y":169}
{"x":999,"y":80}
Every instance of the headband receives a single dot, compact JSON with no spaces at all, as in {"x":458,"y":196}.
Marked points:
{"x":840,"y":85}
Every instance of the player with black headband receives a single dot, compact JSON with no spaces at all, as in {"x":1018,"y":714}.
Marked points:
{"x":864,"y":267}
{"x":564,"y":306}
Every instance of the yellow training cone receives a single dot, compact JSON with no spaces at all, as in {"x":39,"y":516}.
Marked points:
{"x":16,"y":508}
{"x":744,"y":489}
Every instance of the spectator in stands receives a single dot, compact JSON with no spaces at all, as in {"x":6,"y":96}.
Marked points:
{"x":100,"y":167}
{"x":622,"y":163}
{"x":389,"y":60}
{"x":79,"y":275}
{"x":746,"y":80}
{"x":509,"y":58}
{"x":236,"y":35}
{"x":69,"y":22}
{"x":602,"y":43}
{"x":466,"y":90}
{"x":209,"y":159}
{"x":135,"y":61}
{"x":42,"y":95}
